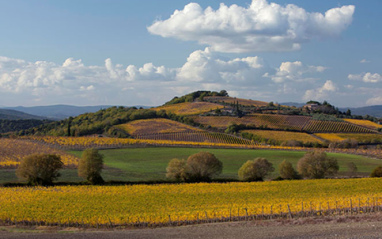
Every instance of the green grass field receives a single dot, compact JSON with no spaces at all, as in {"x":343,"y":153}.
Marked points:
{"x":145,"y":164}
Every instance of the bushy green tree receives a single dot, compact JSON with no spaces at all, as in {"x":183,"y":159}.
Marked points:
{"x":317,"y":164}
{"x":202,"y":167}
{"x":287,"y":171}
{"x":40,"y":169}
{"x":90,"y":166}
{"x":255,"y":170}
{"x":176,"y":169}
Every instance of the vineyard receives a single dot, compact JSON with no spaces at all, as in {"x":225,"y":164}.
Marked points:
{"x":365,"y":123}
{"x":197,"y":137}
{"x":156,"y":126}
{"x":362,"y":138}
{"x":193,"y":108}
{"x":318,"y":126}
{"x":284,"y":136}
{"x":259,"y":120}
{"x":146,"y":205}
{"x":230,"y":100}
{"x":12,"y":151}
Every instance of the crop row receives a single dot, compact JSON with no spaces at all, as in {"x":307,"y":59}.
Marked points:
{"x":12,"y":151}
{"x":318,"y":126}
{"x":197,"y":137}
{"x":155,"y":204}
{"x":152,"y":126}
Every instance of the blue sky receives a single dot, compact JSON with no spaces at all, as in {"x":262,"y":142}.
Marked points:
{"x":93,"y":52}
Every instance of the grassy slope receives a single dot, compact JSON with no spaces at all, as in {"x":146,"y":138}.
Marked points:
{"x":138,"y":164}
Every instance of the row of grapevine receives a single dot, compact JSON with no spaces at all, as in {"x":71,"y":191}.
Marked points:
{"x":12,"y":151}
{"x":154,"y":205}
{"x":196,"y":137}
{"x":318,"y":126}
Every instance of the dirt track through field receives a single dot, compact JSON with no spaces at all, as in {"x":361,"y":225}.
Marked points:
{"x":365,"y":226}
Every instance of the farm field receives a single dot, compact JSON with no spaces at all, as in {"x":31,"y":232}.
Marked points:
{"x":12,"y":151}
{"x":364,"y":123}
{"x":163,"y":203}
{"x":258,"y":120}
{"x":149,"y":164}
{"x":156,"y":126}
{"x":369,"y":138}
{"x":284,"y":135}
{"x":189,"y":108}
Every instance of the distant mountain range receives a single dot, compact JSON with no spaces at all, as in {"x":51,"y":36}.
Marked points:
{"x":374,"y":110}
{"x":8,"y":114}
{"x":57,"y":112}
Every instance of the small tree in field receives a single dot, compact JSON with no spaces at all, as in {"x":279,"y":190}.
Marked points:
{"x":176,"y":169}
{"x":255,"y":170}
{"x":202,"y":167}
{"x":317,"y":164}
{"x":352,"y":169}
{"x":40,"y":169}
{"x":287,"y":171}
{"x":377,"y":172}
{"x":90,"y":166}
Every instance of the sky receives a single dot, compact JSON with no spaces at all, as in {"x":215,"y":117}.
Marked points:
{"x":145,"y":52}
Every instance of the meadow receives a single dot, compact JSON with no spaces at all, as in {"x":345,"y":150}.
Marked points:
{"x":155,"y":204}
{"x":149,"y":164}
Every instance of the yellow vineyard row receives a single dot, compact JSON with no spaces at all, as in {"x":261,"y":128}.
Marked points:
{"x":93,"y":205}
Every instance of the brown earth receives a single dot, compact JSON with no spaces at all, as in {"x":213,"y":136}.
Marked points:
{"x":360,"y":226}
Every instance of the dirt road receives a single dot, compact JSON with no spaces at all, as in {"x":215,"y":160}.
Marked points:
{"x":365,"y":226}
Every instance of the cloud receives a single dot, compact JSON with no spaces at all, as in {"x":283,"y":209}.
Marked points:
{"x":294,"y":71}
{"x":206,"y":66}
{"x":261,"y":26}
{"x":374,"y":101}
{"x":320,"y":93}
{"x":366,"y":77}
{"x":364,"y":61}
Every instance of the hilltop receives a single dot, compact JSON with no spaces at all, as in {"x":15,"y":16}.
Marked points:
{"x":213,"y":116}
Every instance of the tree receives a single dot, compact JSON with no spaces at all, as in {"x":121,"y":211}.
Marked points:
{"x":202,"y":167}
{"x":176,"y":169}
{"x":90,"y":166}
{"x":317,"y":164}
{"x":255,"y":170}
{"x":40,"y":169}
{"x":377,"y":172}
{"x":287,"y":171}
{"x":352,"y":169}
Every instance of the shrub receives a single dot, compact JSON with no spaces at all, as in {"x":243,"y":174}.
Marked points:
{"x":287,"y":171}
{"x":255,"y":170}
{"x":377,"y":172}
{"x":176,"y":169}
{"x":40,"y":169}
{"x":202,"y":167}
{"x":317,"y":164}
{"x":90,"y":166}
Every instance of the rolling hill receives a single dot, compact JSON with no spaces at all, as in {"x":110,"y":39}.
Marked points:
{"x":8,"y":114}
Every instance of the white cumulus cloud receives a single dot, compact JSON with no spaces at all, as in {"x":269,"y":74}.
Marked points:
{"x":261,"y":26}
{"x":294,"y":71}
{"x":366,"y":77}
{"x":320,"y":93}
